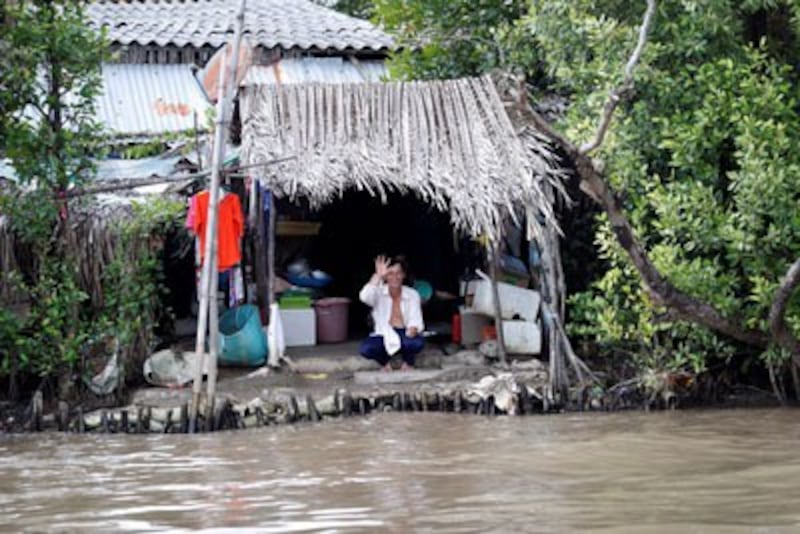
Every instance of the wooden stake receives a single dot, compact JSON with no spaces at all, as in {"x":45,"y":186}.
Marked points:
{"x":311,"y":408}
{"x":168,"y":422}
{"x":347,"y":405}
{"x":294,"y":409}
{"x":37,"y":409}
{"x":458,"y":402}
{"x":63,"y":416}
{"x":184,"y":419}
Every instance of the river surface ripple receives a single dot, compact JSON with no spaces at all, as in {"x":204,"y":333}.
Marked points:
{"x":692,"y":471}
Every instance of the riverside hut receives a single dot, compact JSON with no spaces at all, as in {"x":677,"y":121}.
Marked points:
{"x":449,"y":144}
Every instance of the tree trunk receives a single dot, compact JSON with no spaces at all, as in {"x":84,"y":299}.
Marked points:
{"x":777,"y":323}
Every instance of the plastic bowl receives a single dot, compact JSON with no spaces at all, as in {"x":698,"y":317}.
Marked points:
{"x":309,"y":281}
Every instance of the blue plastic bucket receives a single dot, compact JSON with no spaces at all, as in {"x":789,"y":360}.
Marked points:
{"x":242,"y":340}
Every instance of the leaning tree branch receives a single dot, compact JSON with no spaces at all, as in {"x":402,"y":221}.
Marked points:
{"x":627,"y":82}
{"x":777,"y":312}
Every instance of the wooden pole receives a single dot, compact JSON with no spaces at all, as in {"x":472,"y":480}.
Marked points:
{"x":228,"y":92}
{"x":271,"y":252}
{"x":206,"y":273}
{"x":260,"y":254}
{"x":208,"y":312}
{"x":494,"y":260}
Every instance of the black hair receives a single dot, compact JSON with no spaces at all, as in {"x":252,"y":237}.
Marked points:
{"x":401,"y":261}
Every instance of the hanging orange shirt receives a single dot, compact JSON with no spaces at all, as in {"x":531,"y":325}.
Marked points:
{"x":230,"y":228}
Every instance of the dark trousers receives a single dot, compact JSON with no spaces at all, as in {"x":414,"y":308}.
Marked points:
{"x":373,"y":348}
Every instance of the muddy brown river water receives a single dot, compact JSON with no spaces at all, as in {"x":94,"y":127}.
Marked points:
{"x":704,"y":471}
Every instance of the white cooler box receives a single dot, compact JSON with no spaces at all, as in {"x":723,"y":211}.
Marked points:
{"x":299,"y":327}
{"x":522,"y":337}
{"x":514,"y":301}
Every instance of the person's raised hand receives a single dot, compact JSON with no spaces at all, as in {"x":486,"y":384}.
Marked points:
{"x":381,"y":266}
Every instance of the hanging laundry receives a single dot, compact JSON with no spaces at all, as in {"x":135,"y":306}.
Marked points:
{"x":230,"y":228}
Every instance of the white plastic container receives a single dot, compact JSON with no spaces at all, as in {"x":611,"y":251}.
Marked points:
{"x":299,"y":327}
{"x":515,"y":302}
{"x":522,"y":337}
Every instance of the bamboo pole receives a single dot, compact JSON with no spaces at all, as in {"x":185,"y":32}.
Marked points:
{"x":209,"y":312}
{"x":205,"y":273}
{"x":228,"y":92}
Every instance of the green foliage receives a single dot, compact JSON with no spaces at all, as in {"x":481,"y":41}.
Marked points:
{"x":51,"y":70}
{"x":355,"y":8}
{"x":53,"y":331}
{"x":133,"y":281}
{"x":49,"y":131}
{"x":707,"y":158}
{"x":453,"y":38}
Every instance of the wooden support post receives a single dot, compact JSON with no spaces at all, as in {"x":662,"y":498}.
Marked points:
{"x":271,"y":252}
{"x":124,"y":421}
{"x":81,"y":423}
{"x":139,"y":420}
{"x":494,"y":264}
{"x":260,"y":260}
{"x":104,"y":421}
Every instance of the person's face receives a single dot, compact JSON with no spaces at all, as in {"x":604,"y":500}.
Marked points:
{"x":395,"y":276}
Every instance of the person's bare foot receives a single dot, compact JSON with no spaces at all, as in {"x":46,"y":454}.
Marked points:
{"x":387,"y":368}
{"x":406,"y":367}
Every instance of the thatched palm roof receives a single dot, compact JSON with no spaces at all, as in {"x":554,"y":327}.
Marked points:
{"x":450,"y":142}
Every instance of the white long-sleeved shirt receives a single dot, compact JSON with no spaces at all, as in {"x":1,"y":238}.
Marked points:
{"x":378,"y":298}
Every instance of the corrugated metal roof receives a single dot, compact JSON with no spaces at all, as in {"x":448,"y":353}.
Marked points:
{"x":142,"y":100}
{"x":315,"y":69}
{"x":269,"y":23}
